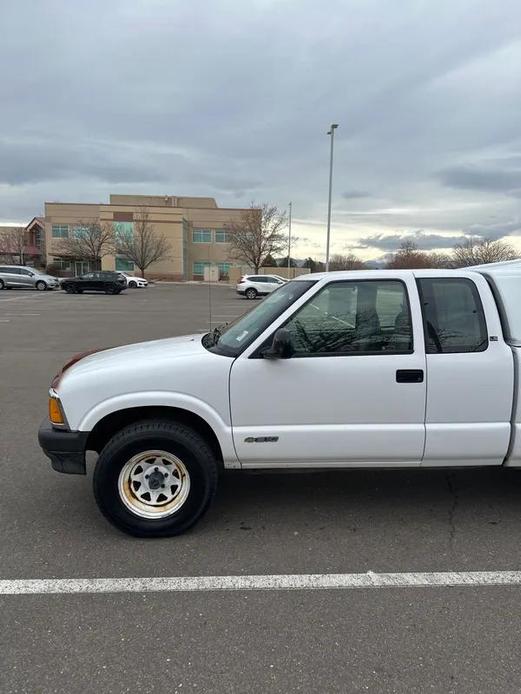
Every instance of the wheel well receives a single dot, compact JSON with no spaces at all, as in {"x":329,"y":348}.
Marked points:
{"x":114,"y":422}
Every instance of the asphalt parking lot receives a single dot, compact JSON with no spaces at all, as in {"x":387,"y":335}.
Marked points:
{"x":376,"y":639}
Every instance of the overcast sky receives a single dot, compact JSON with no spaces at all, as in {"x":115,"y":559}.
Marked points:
{"x":233,"y":99}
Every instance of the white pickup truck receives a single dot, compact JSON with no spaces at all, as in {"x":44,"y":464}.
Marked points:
{"x":347,"y":369}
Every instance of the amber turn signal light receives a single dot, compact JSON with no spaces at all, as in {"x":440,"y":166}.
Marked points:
{"x":55,"y":412}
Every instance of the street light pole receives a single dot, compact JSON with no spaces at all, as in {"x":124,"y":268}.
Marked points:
{"x":331,"y":133}
{"x":289,"y":241}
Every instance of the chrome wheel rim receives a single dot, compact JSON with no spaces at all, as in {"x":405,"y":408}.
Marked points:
{"x":154,"y":484}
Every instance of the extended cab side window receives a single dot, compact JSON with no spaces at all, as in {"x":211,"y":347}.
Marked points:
{"x":453,"y":317}
{"x":355,"y":317}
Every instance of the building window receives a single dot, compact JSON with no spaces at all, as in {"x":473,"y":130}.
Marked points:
{"x":224,"y":269}
{"x":80,"y":231}
{"x":222,"y":236}
{"x":124,"y":265}
{"x":123,"y":229}
{"x":202,"y":236}
{"x":62,"y":264}
{"x":60,"y":231}
{"x":199,"y":268}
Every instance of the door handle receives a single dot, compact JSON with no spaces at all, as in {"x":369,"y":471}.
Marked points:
{"x":409,"y":376}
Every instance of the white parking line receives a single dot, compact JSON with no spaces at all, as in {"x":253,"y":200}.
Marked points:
{"x":466,"y":579}
{"x":17,"y":298}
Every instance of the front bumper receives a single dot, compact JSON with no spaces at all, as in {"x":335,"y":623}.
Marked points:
{"x":65,"y":449}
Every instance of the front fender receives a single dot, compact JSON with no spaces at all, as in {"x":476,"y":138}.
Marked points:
{"x":181,"y":401}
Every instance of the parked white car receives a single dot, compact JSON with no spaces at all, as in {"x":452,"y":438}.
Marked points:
{"x":134,"y":282}
{"x":372,"y":369}
{"x":252,"y":286}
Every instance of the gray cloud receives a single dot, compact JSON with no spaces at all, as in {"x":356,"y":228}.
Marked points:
{"x":391,"y":242}
{"x":482,"y":179}
{"x":354,"y":194}
{"x":429,"y":241}
{"x":494,"y":231}
{"x":184,"y":98}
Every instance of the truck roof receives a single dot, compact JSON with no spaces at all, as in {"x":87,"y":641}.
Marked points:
{"x":367,"y":274}
{"x":503,"y":278}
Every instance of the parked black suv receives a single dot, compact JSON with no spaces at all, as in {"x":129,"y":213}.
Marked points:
{"x":102,"y":281}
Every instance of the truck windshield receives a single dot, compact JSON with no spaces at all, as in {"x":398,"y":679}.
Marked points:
{"x":241,"y":333}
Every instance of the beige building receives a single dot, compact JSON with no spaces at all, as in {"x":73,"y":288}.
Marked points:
{"x":195,"y":228}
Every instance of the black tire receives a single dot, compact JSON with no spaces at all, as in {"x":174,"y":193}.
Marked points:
{"x":69,"y":289}
{"x":2,"y":284}
{"x":41,"y":286}
{"x":251,"y":293}
{"x":171,"y":437}
{"x":132,"y":285}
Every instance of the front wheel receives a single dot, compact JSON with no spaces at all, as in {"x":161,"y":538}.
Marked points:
{"x":2,"y":284}
{"x":41,"y":286}
{"x":69,"y":289}
{"x":132,"y":285}
{"x":155,"y":478}
{"x":251,"y":293}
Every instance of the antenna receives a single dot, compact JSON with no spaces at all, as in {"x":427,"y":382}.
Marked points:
{"x":289,"y":241}
{"x":209,"y":288}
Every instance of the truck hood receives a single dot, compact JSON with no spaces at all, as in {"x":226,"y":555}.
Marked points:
{"x":132,"y":356}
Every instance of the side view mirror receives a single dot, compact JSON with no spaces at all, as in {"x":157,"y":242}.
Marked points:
{"x":281,"y":347}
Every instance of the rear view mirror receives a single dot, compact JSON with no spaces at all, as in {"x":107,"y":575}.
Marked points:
{"x":281,"y":347}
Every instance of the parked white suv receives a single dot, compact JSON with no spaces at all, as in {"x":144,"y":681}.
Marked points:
{"x":252,"y":286}
{"x":133,"y":281}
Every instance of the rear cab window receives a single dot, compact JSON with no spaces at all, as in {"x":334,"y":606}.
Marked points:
{"x":453,"y":316}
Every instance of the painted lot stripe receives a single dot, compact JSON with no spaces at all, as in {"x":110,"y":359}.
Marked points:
{"x":465,"y":579}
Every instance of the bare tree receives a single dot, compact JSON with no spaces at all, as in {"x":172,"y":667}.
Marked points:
{"x":345,"y":262}
{"x":88,"y":241}
{"x":407,"y":256}
{"x":480,"y":252}
{"x":12,"y":243}
{"x":439,"y":260}
{"x":143,"y":245}
{"x":260,"y":232}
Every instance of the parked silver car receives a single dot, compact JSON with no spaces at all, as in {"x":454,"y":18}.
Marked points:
{"x":20,"y":276}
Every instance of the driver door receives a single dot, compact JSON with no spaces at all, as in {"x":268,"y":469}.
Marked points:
{"x":87,"y":281}
{"x":354,"y":391}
